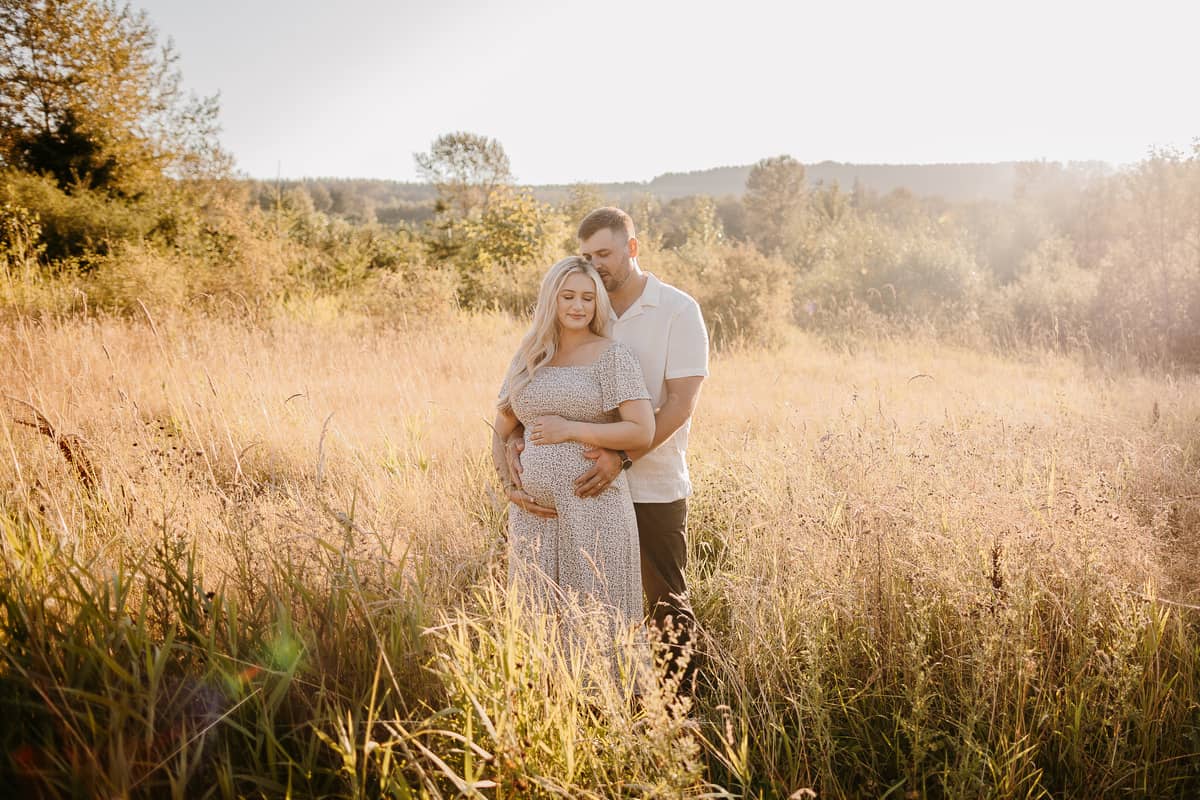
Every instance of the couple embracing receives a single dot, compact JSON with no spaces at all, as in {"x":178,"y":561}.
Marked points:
{"x":591,"y":436}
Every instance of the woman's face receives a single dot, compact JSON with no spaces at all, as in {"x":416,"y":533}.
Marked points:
{"x":576,"y":302}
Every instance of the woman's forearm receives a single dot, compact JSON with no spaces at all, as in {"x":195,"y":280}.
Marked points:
{"x":624,"y":435}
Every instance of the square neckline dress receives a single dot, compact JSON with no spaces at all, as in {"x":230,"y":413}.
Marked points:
{"x":591,"y":549}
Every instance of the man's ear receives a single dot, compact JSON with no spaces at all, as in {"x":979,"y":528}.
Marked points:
{"x":633,"y":247}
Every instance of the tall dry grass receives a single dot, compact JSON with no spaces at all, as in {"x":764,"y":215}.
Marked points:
{"x":918,"y":570}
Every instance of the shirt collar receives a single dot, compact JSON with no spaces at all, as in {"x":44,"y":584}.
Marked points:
{"x":651,"y":296}
{"x":652,"y":293}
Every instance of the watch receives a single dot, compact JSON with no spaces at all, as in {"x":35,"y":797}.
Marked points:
{"x":626,"y":461}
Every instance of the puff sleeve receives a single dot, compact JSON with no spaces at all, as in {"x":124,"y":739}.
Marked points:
{"x":620,"y":377}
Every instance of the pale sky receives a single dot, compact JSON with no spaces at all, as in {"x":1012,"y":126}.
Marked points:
{"x":616,"y":90}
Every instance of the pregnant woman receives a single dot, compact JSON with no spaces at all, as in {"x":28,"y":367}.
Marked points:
{"x":573,"y":388}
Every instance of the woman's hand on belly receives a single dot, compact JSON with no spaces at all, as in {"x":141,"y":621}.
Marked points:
{"x":550,"y":469}
{"x":552,"y":429}
{"x":523,"y":500}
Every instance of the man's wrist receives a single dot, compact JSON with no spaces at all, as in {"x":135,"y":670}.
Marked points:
{"x":626,"y":461}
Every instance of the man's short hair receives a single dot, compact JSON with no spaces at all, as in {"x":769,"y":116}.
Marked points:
{"x":614,"y":219}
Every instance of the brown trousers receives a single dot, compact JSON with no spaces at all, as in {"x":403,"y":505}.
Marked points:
{"x":662,"y":535}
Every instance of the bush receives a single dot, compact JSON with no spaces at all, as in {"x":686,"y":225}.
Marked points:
{"x":20,"y":239}
{"x":507,"y":287}
{"x":744,"y":295}
{"x":1148,"y":310}
{"x":907,"y":275}
{"x":133,"y":273}
{"x":81,"y":223}
{"x":1051,"y":301}
{"x":502,"y":251}
{"x":413,"y":292}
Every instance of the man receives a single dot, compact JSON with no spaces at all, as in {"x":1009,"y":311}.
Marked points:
{"x":664,"y":328}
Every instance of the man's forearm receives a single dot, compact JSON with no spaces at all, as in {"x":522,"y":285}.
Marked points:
{"x":500,"y":460}
{"x":511,"y":446}
{"x":669,"y":419}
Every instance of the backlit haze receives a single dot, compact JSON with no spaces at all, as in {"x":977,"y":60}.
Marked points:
{"x":355,"y":88}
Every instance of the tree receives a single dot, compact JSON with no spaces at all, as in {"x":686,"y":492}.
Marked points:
{"x":466,"y":168}
{"x":691,"y":220}
{"x":67,"y":153}
{"x":831,"y":203}
{"x":582,"y":198}
{"x":1162,"y":201}
{"x":88,"y":95}
{"x":506,"y":248}
{"x":776,"y":199}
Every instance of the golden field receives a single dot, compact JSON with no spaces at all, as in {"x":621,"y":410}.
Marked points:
{"x":272,"y":565}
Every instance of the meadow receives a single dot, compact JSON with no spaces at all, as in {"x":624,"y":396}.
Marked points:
{"x":946,"y":523}
{"x":266,"y":558}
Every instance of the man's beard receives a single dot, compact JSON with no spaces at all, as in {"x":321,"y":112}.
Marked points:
{"x":613,"y":285}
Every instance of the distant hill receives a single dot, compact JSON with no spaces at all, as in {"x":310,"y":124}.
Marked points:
{"x":395,"y":201}
{"x":953,"y":182}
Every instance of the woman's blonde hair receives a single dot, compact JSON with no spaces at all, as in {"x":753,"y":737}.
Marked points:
{"x":540,"y":342}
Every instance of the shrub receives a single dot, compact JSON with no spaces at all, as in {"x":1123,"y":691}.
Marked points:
{"x":412,"y":292}
{"x":502,"y":251}
{"x":926,"y":273}
{"x":1146,"y":309}
{"x":1050,"y":302}
{"x":20,"y":239}
{"x":507,"y":287}
{"x":744,"y":295}
{"x":81,"y":223}
{"x":132,"y":273}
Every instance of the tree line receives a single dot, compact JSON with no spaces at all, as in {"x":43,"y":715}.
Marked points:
{"x":114,"y":189}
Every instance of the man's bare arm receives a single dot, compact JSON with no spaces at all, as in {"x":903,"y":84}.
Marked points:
{"x":682,"y":396}
{"x":514,"y":443}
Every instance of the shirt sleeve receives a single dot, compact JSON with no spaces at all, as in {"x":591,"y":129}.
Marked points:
{"x":687,"y":344}
{"x":621,"y":377}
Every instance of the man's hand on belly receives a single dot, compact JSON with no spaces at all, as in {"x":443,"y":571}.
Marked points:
{"x":598,"y":478}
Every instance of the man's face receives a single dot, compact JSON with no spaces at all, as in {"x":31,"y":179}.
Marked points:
{"x":611,"y":253}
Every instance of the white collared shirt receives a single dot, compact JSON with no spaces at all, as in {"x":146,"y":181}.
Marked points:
{"x":666,"y":332}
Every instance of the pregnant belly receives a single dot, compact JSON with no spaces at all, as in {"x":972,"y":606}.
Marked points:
{"x":550,"y":469}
